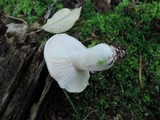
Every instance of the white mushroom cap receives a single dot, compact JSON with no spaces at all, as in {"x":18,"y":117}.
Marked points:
{"x":58,"y":53}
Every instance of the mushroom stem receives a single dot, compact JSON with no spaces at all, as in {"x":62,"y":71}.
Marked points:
{"x":97,"y":58}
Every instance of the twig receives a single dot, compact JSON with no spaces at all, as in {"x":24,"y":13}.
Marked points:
{"x":90,"y":114}
{"x":34,"y":32}
{"x":15,"y":18}
{"x":79,"y":4}
{"x":140,"y":74}
{"x":49,"y":10}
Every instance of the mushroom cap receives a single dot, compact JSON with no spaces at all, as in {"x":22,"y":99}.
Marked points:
{"x":58,"y":53}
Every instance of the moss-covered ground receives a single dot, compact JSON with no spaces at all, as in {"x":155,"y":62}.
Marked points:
{"x":118,"y":93}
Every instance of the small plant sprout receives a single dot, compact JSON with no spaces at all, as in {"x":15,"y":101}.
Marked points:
{"x":101,"y":62}
{"x":69,"y":61}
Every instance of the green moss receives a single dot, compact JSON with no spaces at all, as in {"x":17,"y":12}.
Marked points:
{"x":30,"y":10}
{"x":115,"y":91}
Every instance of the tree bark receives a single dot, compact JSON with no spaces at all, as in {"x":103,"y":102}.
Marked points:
{"x":24,"y":82}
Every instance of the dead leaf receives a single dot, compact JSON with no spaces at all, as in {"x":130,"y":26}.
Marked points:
{"x":102,"y":5}
{"x":17,"y":30}
{"x":35,"y":25}
{"x":62,"y":20}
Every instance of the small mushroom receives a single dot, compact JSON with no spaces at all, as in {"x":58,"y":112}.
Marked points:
{"x":69,"y":61}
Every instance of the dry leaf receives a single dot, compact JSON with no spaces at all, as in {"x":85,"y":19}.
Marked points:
{"x":62,"y":20}
{"x":35,"y":25}
{"x":17,"y":30}
{"x":102,"y":5}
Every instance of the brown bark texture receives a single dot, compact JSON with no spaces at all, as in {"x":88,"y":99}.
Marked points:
{"x":24,"y":81}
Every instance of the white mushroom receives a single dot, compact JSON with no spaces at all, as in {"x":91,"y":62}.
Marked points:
{"x":69,"y":61}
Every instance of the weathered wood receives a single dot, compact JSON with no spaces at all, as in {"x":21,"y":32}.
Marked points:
{"x":23,"y":93}
{"x":24,"y":85}
{"x":42,"y":104}
{"x":12,"y":64}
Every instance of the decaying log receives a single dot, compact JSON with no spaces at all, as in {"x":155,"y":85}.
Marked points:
{"x":24,"y":82}
{"x":42,"y":104}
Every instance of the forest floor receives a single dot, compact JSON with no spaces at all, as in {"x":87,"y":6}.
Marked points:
{"x":131,"y":88}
